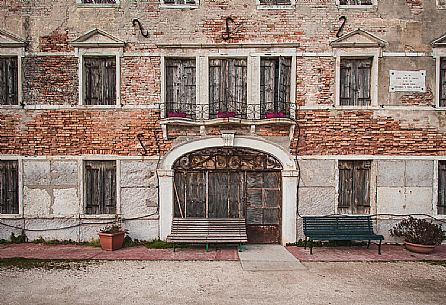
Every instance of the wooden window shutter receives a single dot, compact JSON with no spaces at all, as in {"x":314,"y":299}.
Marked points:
{"x":284,"y":84}
{"x":275,"y":2}
{"x":100,"y":187}
{"x":363,"y":82}
{"x":100,"y":80}
{"x":227,"y":86}
{"x":345,"y":185}
{"x":275,"y":84}
{"x":181,"y":86}
{"x":8,"y":81}
{"x":355,"y":82}
{"x":346,"y":96}
{"x":443,"y":82}
{"x":9,"y":190}
{"x":441,"y":204}
{"x":354,"y":187}
{"x":267,"y":81}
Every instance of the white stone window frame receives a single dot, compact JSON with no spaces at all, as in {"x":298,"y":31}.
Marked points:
{"x":81,"y":53}
{"x":290,"y":6}
{"x":20,"y":186}
{"x":373,"y":182}
{"x":356,"y":6}
{"x":252,"y":82}
{"x":441,"y":6}
{"x":79,"y":3}
{"x":358,"y":53}
{"x":435,"y":187}
{"x":81,"y":173}
{"x":438,"y":54}
{"x":167,"y":5}
{"x":19,"y":52}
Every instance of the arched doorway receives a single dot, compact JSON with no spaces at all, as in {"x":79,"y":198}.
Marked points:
{"x":231,"y":182}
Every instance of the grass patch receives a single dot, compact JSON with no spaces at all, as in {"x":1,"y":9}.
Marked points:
{"x":330,"y":243}
{"x":153,"y":244}
{"x":92,"y":243}
{"x":31,"y":263}
{"x":438,"y":263}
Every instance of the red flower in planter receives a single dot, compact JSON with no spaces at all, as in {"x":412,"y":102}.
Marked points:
{"x":225,"y":114}
{"x":271,"y":115}
{"x":176,"y":114}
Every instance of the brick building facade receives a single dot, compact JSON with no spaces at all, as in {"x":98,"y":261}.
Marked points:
{"x":104,"y":103}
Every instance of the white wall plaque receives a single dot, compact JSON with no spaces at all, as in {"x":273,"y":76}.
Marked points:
{"x":407,"y":81}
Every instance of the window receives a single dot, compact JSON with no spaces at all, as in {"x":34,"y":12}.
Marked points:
{"x":180,"y":87}
{"x":354,"y":187}
{"x":443,"y":82}
{"x":441,"y":4}
{"x":180,"y":2}
{"x":275,"y":2}
{"x":99,"y":2}
{"x":99,"y":80}
{"x":275,"y":83}
{"x":356,"y":2}
{"x":9,"y":190}
{"x":441,"y":204}
{"x":355,"y":84}
{"x":100,"y":187}
{"x":227,"y":87}
{"x":9,"y":80}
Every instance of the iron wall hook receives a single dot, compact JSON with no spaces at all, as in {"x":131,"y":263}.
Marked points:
{"x":344,"y":20}
{"x":141,"y":29}
{"x":227,"y":34}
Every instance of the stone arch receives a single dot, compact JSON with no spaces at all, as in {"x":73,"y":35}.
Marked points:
{"x":288,"y":172}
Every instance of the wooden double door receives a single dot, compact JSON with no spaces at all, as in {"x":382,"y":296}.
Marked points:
{"x":253,"y":195}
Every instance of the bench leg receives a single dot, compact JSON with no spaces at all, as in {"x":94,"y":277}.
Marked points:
{"x":305,"y":242}
{"x":368,"y":244}
{"x":174,"y":247}
{"x":311,"y":246}
{"x":207,"y":247}
{"x":240,"y":247}
{"x":379,"y":248}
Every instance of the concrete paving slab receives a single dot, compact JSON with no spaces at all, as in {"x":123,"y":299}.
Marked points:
{"x":268,"y":258}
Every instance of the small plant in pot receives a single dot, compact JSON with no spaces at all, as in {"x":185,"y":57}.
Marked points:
{"x":112,"y":237}
{"x":420,"y":235}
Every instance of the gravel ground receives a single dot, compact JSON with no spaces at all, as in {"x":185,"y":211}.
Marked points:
{"x":161,"y":282}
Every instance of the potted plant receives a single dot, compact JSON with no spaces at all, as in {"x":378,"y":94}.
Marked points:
{"x":420,"y":235}
{"x":112,"y":237}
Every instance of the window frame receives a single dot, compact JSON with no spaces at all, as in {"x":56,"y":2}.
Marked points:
{"x":374,"y":54}
{"x":19,"y":189}
{"x":84,"y":186}
{"x":99,"y":52}
{"x":243,"y":115}
{"x":439,"y":54}
{"x":438,"y":189}
{"x":290,"y":6}
{"x":287,"y":104}
{"x":98,"y":5}
{"x":356,"y":6}
{"x":174,"y":5}
{"x":14,"y":47}
{"x":440,"y":6}
{"x":371,"y":191}
{"x":193,"y":111}
{"x":85,"y":78}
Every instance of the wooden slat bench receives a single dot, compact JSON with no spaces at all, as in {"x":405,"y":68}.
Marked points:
{"x":208,"y":231}
{"x":343,"y":227}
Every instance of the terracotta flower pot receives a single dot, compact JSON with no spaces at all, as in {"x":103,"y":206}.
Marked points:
{"x":418,"y":248}
{"x":111,"y":241}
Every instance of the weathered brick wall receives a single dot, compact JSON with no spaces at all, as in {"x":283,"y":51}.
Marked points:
{"x":141,"y":80}
{"x":56,"y":41}
{"x":325,"y":132}
{"x":51,"y":80}
{"x":315,"y":81}
{"x":77,"y":132}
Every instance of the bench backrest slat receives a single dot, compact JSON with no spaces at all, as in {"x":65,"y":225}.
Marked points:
{"x":338,"y":225}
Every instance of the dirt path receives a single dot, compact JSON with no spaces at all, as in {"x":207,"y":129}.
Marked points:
{"x":159,"y":282}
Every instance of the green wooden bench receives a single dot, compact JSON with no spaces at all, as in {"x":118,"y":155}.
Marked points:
{"x":208,"y":231}
{"x":343,"y":227}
